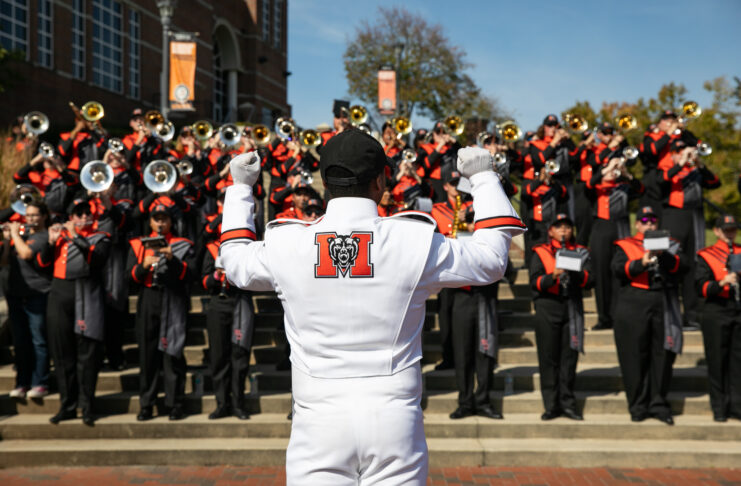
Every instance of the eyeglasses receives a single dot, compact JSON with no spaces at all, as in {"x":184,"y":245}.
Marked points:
{"x":647,"y":220}
{"x":313,"y":212}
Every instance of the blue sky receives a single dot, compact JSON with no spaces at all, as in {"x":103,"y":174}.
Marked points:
{"x":535,"y":57}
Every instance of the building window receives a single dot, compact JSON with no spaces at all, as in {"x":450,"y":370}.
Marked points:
{"x":134,"y":59}
{"x":78,"y":40}
{"x":265,"y":20}
{"x":219,"y":111}
{"x":44,"y":34}
{"x":107,"y":45}
{"x":277,"y":19}
{"x":14,"y":23}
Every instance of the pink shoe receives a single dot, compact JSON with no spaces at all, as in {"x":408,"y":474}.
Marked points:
{"x":37,"y":392}
{"x":19,"y":392}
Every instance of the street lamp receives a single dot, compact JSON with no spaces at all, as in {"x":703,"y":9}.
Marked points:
{"x":398,"y":49}
{"x":167,"y":9}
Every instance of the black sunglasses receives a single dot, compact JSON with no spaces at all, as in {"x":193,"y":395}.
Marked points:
{"x":647,"y":220}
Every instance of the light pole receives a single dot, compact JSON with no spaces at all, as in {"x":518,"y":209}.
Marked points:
{"x":167,"y":9}
{"x":398,"y":49}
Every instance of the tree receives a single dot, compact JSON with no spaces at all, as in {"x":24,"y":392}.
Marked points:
{"x":8,"y":76}
{"x":431,"y":74}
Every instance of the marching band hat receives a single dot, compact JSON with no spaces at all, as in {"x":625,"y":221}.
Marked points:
{"x":135,"y":113}
{"x":645,"y":212}
{"x":677,"y":145}
{"x":726,"y":222}
{"x":562,"y":218}
{"x":551,"y":121}
{"x":337,"y":108}
{"x":358,"y":154}
{"x":451,"y":175}
{"x":160,"y":209}
{"x":79,"y":204}
{"x":668,"y":114}
{"x":605,"y":126}
{"x":315,"y":203}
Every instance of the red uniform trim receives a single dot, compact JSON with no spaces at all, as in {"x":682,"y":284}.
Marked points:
{"x":498,"y":222}
{"x":238,"y":234}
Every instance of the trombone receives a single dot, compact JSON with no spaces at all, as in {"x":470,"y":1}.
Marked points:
{"x":91,"y":112}
{"x":36,"y":122}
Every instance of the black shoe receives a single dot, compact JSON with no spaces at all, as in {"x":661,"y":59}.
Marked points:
{"x":489,"y":412}
{"x":550,"y":415}
{"x":639,"y":417}
{"x":666,"y":418}
{"x":145,"y":414}
{"x":88,"y":419}
{"x":289,"y":416}
{"x":63,"y":415}
{"x":720,"y":418}
{"x":461,"y":412}
{"x":444,"y":365}
{"x":600,"y":326}
{"x":177,"y":413}
{"x":220,"y":412}
{"x":241,"y":414}
{"x":572,"y":414}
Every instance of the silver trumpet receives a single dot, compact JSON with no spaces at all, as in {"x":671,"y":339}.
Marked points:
{"x":96,"y":176}
{"x":160,"y":176}
{"x":703,"y":149}
{"x":185,"y":167}
{"x":22,"y":196}
{"x":408,"y":155}
{"x":46,"y":150}
{"x":115,"y":145}
{"x":36,"y":122}
{"x":630,"y":152}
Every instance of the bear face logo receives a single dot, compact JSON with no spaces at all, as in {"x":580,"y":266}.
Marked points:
{"x":343,"y":250}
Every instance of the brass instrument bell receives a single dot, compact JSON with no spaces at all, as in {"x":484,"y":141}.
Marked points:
{"x":115,"y":145}
{"x":46,"y":150}
{"x":96,"y":176}
{"x":261,"y":135}
{"x":229,"y":134}
{"x":626,"y":122}
{"x":202,"y":129}
{"x":92,"y":111}
{"x":310,"y":138}
{"x":160,"y":176}
{"x":185,"y":167}
{"x":509,"y":131}
{"x":453,"y":125}
{"x":23,"y":195}
{"x":576,"y":123}
{"x":402,"y":125}
{"x":153,"y":118}
{"x":408,"y":155}
{"x":36,"y":122}
{"x":357,"y":114}
{"x":285,"y":128}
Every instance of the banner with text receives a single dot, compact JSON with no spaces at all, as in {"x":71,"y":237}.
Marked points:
{"x":182,"y":75}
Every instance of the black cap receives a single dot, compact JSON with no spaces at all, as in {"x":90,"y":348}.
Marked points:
{"x":677,"y":145}
{"x":605,"y":126}
{"x":359,"y":154}
{"x":550,"y":120}
{"x":79,"y":203}
{"x":302,"y":186}
{"x":726,"y":222}
{"x":337,"y":108}
{"x":645,"y":212}
{"x":315,"y":203}
{"x":160,"y":209}
{"x":136,"y":112}
{"x":562,"y":218}
{"x":451,"y":175}
{"x":668,"y":114}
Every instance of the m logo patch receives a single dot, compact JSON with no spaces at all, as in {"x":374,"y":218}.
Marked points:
{"x":343,"y":255}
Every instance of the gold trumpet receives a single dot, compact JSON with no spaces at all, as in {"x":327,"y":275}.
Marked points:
{"x":92,"y":111}
{"x":576,"y":123}
{"x":203,"y":130}
{"x":310,"y":138}
{"x":153,"y":118}
{"x":357,"y":114}
{"x":402,"y":125}
{"x":453,"y":125}
{"x":509,"y":131}
{"x":690,"y":110}
{"x":626,"y":122}
{"x":261,"y":135}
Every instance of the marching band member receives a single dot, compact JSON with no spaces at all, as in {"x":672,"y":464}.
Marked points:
{"x":433,"y":158}
{"x":721,"y":319}
{"x":541,"y":196}
{"x":161,"y":265}
{"x":559,"y":310}
{"x":81,"y":145}
{"x":648,"y":327}
{"x":75,"y":309}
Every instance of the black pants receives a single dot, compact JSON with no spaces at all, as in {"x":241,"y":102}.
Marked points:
{"x":602,"y":249}
{"x":445,"y":316}
{"x":229,"y":363}
{"x":468,"y":360}
{"x":151,"y":359}
{"x":556,"y":360}
{"x":76,"y":358}
{"x":583,"y":217}
{"x":644,"y":363}
{"x":721,"y":334}
{"x":679,"y":224}
{"x":115,"y":323}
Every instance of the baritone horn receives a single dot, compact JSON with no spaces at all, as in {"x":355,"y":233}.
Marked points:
{"x":261,"y":135}
{"x":202,"y":129}
{"x":160,"y":176}
{"x":96,"y":176}
{"x":22,"y":196}
{"x":229,"y":134}
{"x":453,"y":125}
{"x":36,"y":122}
{"x":509,"y":132}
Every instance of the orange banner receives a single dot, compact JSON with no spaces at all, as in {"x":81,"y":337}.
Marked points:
{"x":182,"y":75}
{"x":386,"y":91}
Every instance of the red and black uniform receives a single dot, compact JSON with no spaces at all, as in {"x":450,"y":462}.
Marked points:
{"x":683,"y":217}
{"x":559,"y":339}
{"x":280,"y":161}
{"x":583,"y":217}
{"x":290,"y":213}
{"x":78,"y":151}
{"x":230,"y":321}
{"x":75,"y":314}
{"x":541,"y":201}
{"x":432,"y":163}
{"x":138,"y":156}
{"x":655,"y":147}
{"x":643,"y":344}
{"x":38,"y":176}
{"x":611,"y":222}
{"x":161,"y":316}
{"x":721,"y":328}
{"x":444,"y":214}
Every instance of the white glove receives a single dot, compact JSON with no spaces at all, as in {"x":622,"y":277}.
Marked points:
{"x":245,"y":168}
{"x":472,"y":160}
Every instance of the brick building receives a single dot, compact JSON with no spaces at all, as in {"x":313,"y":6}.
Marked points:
{"x":111,"y":51}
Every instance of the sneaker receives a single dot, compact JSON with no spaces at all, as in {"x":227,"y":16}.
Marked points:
{"x":19,"y":392}
{"x":37,"y":392}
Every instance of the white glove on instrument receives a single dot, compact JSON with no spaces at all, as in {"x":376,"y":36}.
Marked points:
{"x":472,"y":160}
{"x":245,"y":168}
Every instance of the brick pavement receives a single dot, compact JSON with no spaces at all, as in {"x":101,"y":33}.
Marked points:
{"x":271,"y":476}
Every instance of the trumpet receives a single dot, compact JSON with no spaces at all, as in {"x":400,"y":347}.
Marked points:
{"x":576,"y":123}
{"x":306,"y":177}
{"x":229,"y":135}
{"x":626,"y":122}
{"x":202,"y":129}
{"x":402,"y":126}
{"x":481,"y":138}
{"x":36,"y":122}
{"x":153,"y":118}
{"x":690,"y":110}
{"x":46,"y":150}
{"x":285,"y":128}
{"x":185,"y":167}
{"x":552,"y":167}
{"x":408,"y":156}
{"x":92,"y":111}
{"x":703,"y":149}
{"x":357,"y":114}
{"x":115,"y":145}
{"x":96,"y":176}
{"x":453,"y":125}
{"x":22,"y":196}
{"x":165,"y":131}
{"x":160,"y":176}
{"x":630,"y":153}
{"x":261,"y":135}
{"x":509,"y":131}
{"x":310,"y":138}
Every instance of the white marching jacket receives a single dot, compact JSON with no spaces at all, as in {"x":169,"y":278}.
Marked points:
{"x":354,"y":285}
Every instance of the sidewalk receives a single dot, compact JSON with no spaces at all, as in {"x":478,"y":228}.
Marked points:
{"x":261,"y":476}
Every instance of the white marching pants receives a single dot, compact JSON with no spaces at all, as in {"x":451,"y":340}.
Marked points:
{"x":357,"y":431}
